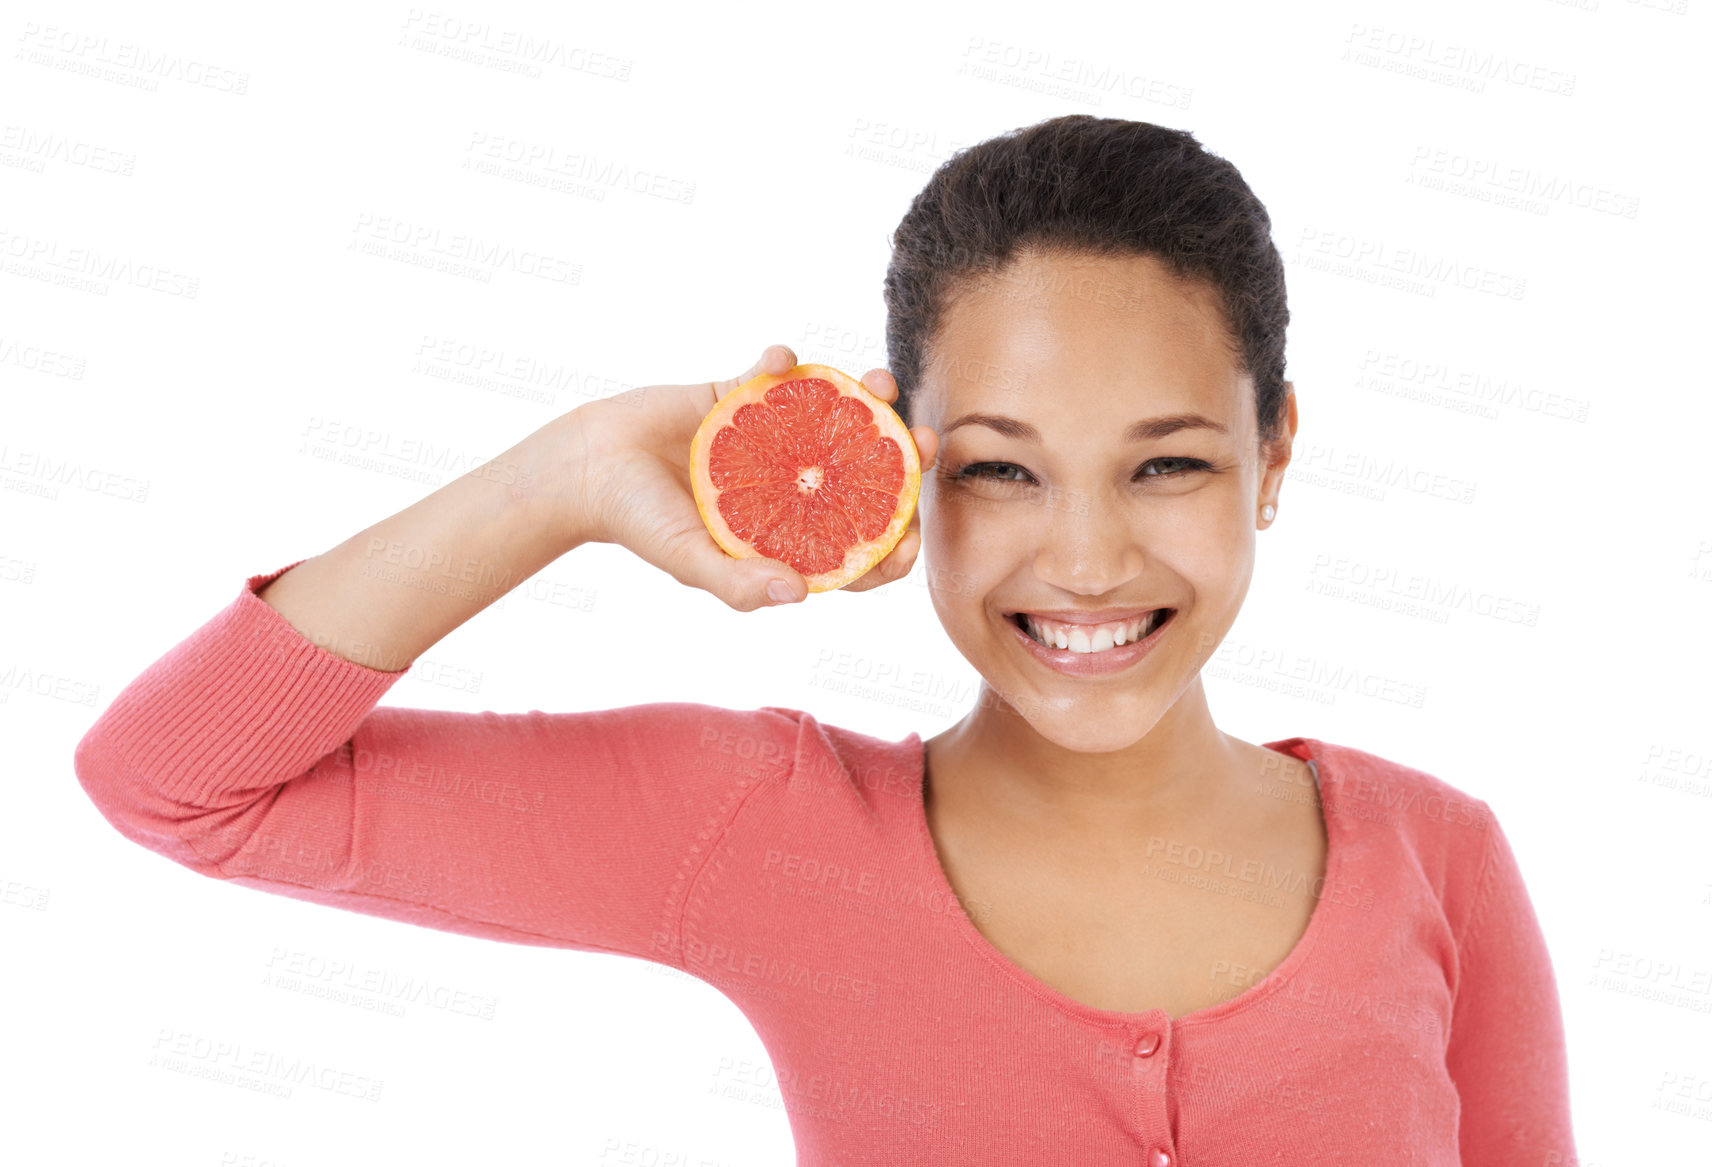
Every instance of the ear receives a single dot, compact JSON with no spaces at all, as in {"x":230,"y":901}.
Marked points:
{"x":1278,"y":451}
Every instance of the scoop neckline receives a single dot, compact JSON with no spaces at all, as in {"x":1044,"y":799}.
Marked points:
{"x":1305,"y":749}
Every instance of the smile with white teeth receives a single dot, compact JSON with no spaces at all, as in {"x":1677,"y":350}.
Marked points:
{"x":1089,"y":637}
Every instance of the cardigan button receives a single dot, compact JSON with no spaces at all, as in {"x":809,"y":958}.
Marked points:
{"x":1146,"y":1046}
{"x":1160,"y":1158}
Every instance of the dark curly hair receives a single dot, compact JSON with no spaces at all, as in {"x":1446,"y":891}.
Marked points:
{"x":1099,"y":186}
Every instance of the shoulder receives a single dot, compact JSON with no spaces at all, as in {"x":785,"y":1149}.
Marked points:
{"x":665,"y":737}
{"x":1404,"y":816}
{"x":774,"y":741}
{"x":859,"y":769}
{"x":1420,"y":805}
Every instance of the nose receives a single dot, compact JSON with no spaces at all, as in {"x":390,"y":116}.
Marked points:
{"x":1087,"y":545}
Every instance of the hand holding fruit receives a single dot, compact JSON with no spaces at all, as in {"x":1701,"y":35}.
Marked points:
{"x":637,"y":489}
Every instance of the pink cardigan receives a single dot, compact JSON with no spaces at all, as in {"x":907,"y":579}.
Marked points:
{"x":788,"y":863}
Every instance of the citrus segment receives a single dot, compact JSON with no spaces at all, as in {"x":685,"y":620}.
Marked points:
{"x":809,"y":468}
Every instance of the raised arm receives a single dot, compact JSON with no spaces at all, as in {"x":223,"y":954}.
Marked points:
{"x":250,"y":754}
{"x":608,"y":471}
{"x":254,"y":750}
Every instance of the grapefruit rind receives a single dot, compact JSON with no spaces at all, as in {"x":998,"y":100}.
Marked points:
{"x":860,"y":557}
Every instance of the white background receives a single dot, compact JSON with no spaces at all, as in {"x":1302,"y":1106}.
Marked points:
{"x":157,"y":447}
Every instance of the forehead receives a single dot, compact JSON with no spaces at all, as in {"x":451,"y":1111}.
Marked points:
{"x":1052,"y":324}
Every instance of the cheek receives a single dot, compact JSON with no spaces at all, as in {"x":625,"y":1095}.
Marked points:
{"x":955,"y":528}
{"x":974,"y":534}
{"x":1207,"y":540}
{"x":966,"y":547}
{"x":1204,"y":539}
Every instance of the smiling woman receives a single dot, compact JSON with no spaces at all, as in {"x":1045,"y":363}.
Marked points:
{"x":1082,"y":925}
{"x":1103,"y":505}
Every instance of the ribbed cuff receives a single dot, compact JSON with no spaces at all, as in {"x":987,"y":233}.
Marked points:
{"x":243,"y":703}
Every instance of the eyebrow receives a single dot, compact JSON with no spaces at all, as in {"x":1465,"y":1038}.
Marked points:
{"x":1146,"y":430}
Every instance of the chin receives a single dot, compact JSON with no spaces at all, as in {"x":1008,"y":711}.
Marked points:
{"x":1089,"y":724}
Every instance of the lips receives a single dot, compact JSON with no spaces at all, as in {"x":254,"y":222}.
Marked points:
{"x":1085,"y":635}
{"x":1091,"y":649}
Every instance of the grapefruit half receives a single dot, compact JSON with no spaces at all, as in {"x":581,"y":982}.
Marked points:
{"x":809,"y":468}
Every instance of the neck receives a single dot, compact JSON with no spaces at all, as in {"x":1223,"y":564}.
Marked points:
{"x":1179,"y":772}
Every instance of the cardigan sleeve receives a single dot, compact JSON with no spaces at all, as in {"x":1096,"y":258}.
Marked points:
{"x":248,"y":753}
{"x":1506,"y":1049}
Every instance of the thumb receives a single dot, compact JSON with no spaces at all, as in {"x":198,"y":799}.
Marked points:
{"x":742,"y":583}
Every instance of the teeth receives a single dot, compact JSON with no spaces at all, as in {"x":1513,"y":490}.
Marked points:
{"x":1090,"y":638}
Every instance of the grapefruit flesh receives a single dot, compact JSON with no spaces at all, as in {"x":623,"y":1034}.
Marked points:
{"x":809,"y":468}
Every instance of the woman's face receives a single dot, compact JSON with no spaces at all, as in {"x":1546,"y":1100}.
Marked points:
{"x":1042,"y":500}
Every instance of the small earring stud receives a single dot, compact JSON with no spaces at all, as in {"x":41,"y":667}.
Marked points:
{"x":1267,"y":511}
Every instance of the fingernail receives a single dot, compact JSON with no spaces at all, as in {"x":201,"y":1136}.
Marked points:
{"x":780,"y":592}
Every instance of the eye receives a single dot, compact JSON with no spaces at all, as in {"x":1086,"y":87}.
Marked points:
{"x":1189,"y":466}
{"x":986,"y":470}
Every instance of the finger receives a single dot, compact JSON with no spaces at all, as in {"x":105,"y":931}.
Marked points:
{"x":899,"y":562}
{"x":698,"y":561}
{"x":881,"y":384}
{"x":926,"y":444}
{"x":775,"y":359}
